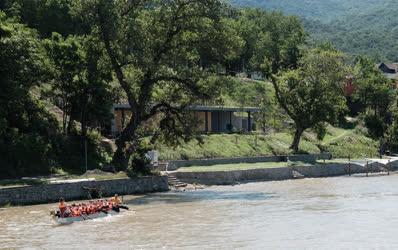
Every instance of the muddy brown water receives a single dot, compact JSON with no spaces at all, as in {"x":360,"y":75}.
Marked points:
{"x":330,"y":213}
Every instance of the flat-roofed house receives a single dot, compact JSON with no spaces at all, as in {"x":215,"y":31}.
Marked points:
{"x":211,"y":119}
{"x":390,"y":70}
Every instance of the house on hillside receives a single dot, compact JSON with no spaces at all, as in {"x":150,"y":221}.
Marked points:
{"x":211,"y":119}
{"x":390,"y":70}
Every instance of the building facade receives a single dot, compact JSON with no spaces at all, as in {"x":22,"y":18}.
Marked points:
{"x":210,"y":119}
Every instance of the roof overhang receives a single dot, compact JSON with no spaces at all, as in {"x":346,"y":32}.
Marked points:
{"x":204,"y":108}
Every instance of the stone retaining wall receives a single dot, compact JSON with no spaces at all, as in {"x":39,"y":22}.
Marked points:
{"x":174,"y":165}
{"x":273,"y":174}
{"x":72,"y":191}
{"x":230,"y":177}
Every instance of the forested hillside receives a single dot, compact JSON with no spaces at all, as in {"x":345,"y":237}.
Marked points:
{"x":63,"y":63}
{"x":354,"y":26}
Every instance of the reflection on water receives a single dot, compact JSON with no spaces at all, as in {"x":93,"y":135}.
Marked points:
{"x":344,"y":212}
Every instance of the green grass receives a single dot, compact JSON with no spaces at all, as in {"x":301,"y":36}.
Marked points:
{"x":119,"y":175}
{"x":342,"y":143}
{"x":232,"y":167}
{"x":21,"y":182}
{"x":230,"y":145}
{"x":46,"y":180}
{"x":349,"y":143}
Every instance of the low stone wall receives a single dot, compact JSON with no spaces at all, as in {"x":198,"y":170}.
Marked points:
{"x":72,"y":191}
{"x":174,"y":165}
{"x":230,"y":177}
{"x":274,"y":174}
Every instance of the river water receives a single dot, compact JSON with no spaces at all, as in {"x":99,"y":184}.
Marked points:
{"x":329,"y":213}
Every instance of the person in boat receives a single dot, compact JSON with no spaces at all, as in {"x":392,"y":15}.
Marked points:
{"x":116,"y":204}
{"x":62,"y":207}
{"x":116,"y":200}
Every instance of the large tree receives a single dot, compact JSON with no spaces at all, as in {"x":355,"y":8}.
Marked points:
{"x":80,"y":84}
{"x":376,"y":96}
{"x":156,"y":49}
{"x":25,"y":126}
{"x":312,"y":94}
{"x":271,"y":38}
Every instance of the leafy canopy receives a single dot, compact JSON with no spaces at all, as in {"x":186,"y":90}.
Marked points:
{"x":312,"y":93}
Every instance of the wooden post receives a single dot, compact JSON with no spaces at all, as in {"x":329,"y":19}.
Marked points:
{"x":85,"y":154}
{"x":388,"y":167}
{"x":206,"y":122}
{"x":249,"y":122}
{"x":349,"y":165}
{"x":367,"y":168}
{"x":218,"y":122}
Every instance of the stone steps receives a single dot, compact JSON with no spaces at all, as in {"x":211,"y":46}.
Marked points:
{"x":175,"y":182}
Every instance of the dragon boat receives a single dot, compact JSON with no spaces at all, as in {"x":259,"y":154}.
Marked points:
{"x":82,"y":217}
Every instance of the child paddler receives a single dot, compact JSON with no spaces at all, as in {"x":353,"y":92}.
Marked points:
{"x":116,"y":203}
{"x":116,"y":200}
{"x":62,"y":207}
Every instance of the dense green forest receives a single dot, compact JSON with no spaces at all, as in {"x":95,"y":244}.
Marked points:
{"x":323,"y":10}
{"x":63,"y":63}
{"x":354,"y":26}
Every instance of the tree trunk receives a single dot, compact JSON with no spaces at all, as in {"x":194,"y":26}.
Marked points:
{"x":64,"y":121}
{"x":70,"y":125}
{"x":83,"y":136}
{"x":124,"y":150}
{"x":296,"y":140}
{"x":125,"y":145}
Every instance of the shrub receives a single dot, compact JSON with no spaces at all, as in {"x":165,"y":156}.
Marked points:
{"x":70,"y":152}
{"x":139,"y":164}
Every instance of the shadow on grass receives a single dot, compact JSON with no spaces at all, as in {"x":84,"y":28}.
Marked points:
{"x":21,"y":182}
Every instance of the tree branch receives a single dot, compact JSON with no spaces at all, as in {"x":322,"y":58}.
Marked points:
{"x":279,"y":98}
{"x":115,"y":64}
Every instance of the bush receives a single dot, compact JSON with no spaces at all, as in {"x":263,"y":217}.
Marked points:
{"x":24,"y":155}
{"x":375,"y":126}
{"x":139,"y":164}
{"x":26,"y":147}
{"x":70,"y":152}
{"x":254,"y":127}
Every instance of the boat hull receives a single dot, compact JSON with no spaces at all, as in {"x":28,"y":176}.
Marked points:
{"x":70,"y":220}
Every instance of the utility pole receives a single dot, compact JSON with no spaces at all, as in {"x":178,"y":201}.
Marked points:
{"x":85,"y":153}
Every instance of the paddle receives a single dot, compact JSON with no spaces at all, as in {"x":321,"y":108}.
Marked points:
{"x":124,"y":207}
{"x":84,"y":217}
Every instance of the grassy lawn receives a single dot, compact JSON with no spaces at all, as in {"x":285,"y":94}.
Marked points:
{"x":235,"y":145}
{"x":232,"y":167}
{"x":47,"y":179}
{"x":342,"y":143}
{"x":20,"y":182}
{"x":340,"y":160}
{"x":98,"y":176}
{"x":260,"y":165}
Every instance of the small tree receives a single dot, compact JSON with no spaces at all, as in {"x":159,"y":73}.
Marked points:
{"x":313,"y":93}
{"x":375,"y":95}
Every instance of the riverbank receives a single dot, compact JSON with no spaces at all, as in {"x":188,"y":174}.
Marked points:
{"x":238,"y":173}
{"x":299,"y":214}
{"x":47,"y":193}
